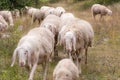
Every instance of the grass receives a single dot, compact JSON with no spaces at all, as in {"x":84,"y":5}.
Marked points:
{"x":103,"y":57}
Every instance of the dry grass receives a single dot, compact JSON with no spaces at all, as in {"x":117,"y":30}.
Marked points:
{"x":103,"y":57}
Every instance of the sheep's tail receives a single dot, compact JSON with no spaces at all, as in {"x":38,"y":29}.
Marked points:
{"x":14,"y":57}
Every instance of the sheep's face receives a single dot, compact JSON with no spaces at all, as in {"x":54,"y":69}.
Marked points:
{"x":68,"y":44}
{"x":68,"y":41}
{"x":48,"y":26}
{"x":22,"y":54}
{"x":63,"y":75}
{"x":109,"y":12}
{"x":51,"y":11}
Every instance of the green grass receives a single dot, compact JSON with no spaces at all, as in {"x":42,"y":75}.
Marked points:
{"x":103,"y":57}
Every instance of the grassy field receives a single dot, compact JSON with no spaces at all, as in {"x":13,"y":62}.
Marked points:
{"x":103,"y":57}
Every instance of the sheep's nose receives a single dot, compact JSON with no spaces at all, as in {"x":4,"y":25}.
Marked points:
{"x":22,"y":64}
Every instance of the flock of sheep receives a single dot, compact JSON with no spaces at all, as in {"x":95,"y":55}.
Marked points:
{"x":57,"y":27}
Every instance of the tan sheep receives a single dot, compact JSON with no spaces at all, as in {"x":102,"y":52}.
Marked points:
{"x":7,"y":15}
{"x":100,"y":9}
{"x":65,"y":70}
{"x":35,"y":13}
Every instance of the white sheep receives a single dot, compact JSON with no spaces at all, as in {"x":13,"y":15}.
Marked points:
{"x":23,"y":11}
{"x":30,"y":10}
{"x":76,"y":37}
{"x":2,"y":20}
{"x":100,"y":9}
{"x":38,"y":15}
{"x":65,"y":19}
{"x":35,"y":13}
{"x":52,"y":22}
{"x":7,"y":15}
{"x":16,"y":13}
{"x":45,"y":8}
{"x":59,"y":11}
{"x":65,"y":70}
{"x":34,"y":48}
{"x":50,"y":11}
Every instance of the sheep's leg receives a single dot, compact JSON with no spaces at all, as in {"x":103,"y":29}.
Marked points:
{"x":86,"y":55}
{"x":45,"y":70}
{"x":77,"y":62}
{"x":70,"y":56}
{"x":32,"y":71}
{"x":94,"y":16}
{"x":39,"y":20}
{"x":101,"y":17}
{"x":34,"y":19}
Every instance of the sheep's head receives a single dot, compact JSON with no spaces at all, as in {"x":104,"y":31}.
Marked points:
{"x":109,"y":12}
{"x":70,"y":41}
{"x":22,"y":56}
{"x":51,"y":27}
{"x":63,"y":74}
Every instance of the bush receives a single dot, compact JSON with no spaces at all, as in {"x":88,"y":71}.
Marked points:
{"x":15,"y":4}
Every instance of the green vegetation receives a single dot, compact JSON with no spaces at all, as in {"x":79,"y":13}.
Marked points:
{"x":103,"y":57}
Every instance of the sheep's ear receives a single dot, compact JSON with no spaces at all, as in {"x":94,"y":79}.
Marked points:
{"x":14,"y":57}
{"x":61,"y":13}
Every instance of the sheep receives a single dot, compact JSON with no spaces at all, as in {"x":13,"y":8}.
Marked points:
{"x":65,"y":70}
{"x":100,"y":9}
{"x":35,"y":13}
{"x":23,"y":11}
{"x":76,"y":37}
{"x":16,"y":13}
{"x":52,"y":23}
{"x":47,"y":10}
{"x":30,"y":10}
{"x":35,"y":48}
{"x":65,"y":19}
{"x":7,"y":15}
{"x":59,"y":11}
{"x":38,"y":15}
{"x":51,"y":10}
{"x":2,"y":20}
